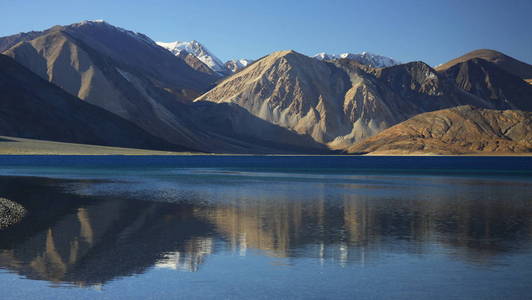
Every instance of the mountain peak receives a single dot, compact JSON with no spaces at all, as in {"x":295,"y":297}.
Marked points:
{"x":417,"y":70}
{"x":235,"y":65}
{"x":289,"y":56}
{"x":503,"y":61}
{"x":198,"y":50}
{"x":483,"y":52}
{"x":365,"y":58}
{"x":91,"y":22}
{"x":283,"y":53}
{"x":485,"y":79}
{"x":90,"y":26}
{"x":96,"y":21}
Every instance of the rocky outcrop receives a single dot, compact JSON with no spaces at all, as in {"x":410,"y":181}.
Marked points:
{"x":459,"y":130}
{"x":10,"y":213}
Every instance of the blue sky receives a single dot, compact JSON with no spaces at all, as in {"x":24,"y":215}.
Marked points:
{"x":431,"y":31}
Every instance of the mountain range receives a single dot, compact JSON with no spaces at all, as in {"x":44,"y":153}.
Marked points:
{"x":180,"y":96}
{"x":365,"y":58}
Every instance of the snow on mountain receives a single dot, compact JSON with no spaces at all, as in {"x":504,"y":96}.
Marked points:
{"x":198,"y":50}
{"x":366,"y":58}
{"x":236,"y":65}
{"x":325,"y":56}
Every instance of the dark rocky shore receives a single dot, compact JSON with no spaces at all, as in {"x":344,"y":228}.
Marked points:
{"x":10,"y":213}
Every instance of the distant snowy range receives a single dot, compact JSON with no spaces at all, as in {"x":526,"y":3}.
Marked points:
{"x":365,"y":58}
{"x":206,"y":57}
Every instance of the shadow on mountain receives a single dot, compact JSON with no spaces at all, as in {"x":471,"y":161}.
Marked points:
{"x":231,"y":127}
{"x":28,"y":100}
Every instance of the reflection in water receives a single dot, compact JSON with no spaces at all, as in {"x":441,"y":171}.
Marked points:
{"x":90,"y":240}
{"x":97,"y":241}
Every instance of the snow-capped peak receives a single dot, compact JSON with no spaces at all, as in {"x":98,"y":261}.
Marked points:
{"x":366,"y":58}
{"x":198,"y":50}
{"x":236,"y":65}
{"x":89,"y":22}
{"x":324,"y":56}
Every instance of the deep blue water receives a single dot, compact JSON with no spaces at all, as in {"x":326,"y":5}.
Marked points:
{"x":287,"y":227}
{"x":320,"y":164}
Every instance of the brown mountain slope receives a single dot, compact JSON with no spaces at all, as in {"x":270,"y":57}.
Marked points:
{"x":31,"y":107}
{"x":459,"y":130}
{"x":290,"y":90}
{"x":118,"y":70}
{"x":486,"y":80}
{"x":128,"y":74}
{"x":505,"y":62}
{"x":336,"y":104}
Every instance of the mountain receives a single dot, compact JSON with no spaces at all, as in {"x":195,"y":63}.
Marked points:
{"x":127,"y":74}
{"x":286,"y":88}
{"x":235,"y":65}
{"x":458,"y":130}
{"x":124,"y":48}
{"x":285,"y":102}
{"x":121,"y":71}
{"x":365,"y":58}
{"x":199,"y":51}
{"x":336,"y":103}
{"x":503,"y":61}
{"x":486,"y":80}
{"x":31,"y":107}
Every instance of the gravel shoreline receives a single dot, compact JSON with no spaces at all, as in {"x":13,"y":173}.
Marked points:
{"x":10,"y":213}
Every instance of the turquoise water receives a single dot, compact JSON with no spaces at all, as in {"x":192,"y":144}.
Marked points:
{"x":268,"y":227}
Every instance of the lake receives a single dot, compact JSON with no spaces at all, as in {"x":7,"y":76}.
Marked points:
{"x":267,"y":227}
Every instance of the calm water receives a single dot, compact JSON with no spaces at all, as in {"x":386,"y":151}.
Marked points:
{"x":268,"y":227}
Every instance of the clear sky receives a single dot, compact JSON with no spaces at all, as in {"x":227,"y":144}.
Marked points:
{"x":433,"y":31}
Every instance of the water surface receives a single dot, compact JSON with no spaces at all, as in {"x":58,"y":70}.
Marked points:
{"x":268,"y":227}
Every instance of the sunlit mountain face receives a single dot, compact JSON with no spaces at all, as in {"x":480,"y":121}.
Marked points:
{"x":112,"y":229}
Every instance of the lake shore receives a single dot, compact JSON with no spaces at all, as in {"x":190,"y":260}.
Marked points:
{"x":24,"y":146}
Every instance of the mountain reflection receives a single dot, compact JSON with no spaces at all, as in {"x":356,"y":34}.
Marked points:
{"x":68,"y":238}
